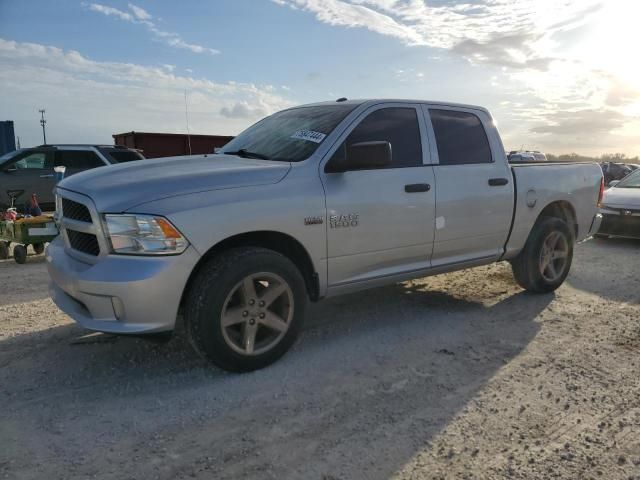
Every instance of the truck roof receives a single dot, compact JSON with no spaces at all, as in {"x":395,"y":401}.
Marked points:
{"x":373,"y":101}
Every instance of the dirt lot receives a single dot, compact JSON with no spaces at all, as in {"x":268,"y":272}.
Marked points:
{"x":457,"y":376}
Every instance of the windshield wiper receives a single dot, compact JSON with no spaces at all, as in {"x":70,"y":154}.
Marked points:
{"x":244,"y":153}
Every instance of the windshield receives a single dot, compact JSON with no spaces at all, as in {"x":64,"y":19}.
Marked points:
{"x":630,"y":181}
{"x":291,"y":135}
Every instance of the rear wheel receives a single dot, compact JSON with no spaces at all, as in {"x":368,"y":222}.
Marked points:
{"x":245,"y":308}
{"x":20,"y":253}
{"x":545,"y":260}
{"x":38,"y":248}
{"x":4,"y":250}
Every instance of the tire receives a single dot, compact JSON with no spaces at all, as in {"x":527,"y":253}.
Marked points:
{"x":226,"y":306}
{"x":4,"y":250}
{"x":38,"y":248}
{"x":529,"y":266}
{"x":20,"y":254}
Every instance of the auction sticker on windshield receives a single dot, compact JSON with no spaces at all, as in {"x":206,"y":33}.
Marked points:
{"x":308,"y":135}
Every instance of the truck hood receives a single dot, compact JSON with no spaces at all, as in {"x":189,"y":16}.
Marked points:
{"x":622,"y":197}
{"x":117,"y":188}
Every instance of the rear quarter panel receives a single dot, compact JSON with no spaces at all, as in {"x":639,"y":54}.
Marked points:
{"x":575,"y":183}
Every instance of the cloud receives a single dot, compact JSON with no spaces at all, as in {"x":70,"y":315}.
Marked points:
{"x":582,"y":123}
{"x":243,"y":110}
{"x":621,"y":93}
{"x":87,"y":100}
{"x":513,"y":50}
{"x":139,"y":12}
{"x":501,"y":32}
{"x":140,"y":16}
{"x":105,"y":10}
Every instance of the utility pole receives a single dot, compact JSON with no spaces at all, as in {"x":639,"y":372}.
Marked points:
{"x":43,"y":122}
{"x":186,"y":116}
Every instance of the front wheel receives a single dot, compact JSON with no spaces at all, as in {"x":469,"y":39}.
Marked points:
{"x":544,"y":262}
{"x":244,"y":308}
{"x":38,"y":248}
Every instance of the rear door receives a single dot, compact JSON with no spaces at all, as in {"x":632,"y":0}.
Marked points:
{"x":474,"y":186}
{"x":77,"y":160}
{"x":380,"y":220}
{"x":31,"y":171}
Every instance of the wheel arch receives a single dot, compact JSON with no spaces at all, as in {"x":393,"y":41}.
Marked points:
{"x":563,"y":210}
{"x":282,"y":243}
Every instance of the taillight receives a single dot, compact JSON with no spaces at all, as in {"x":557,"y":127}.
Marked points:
{"x":601,"y":194}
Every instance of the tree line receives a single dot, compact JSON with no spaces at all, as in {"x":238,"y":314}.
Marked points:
{"x":607,"y":157}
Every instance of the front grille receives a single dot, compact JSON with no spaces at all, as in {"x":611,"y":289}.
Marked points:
{"x":84,"y":242}
{"x":75,"y":211}
{"x":622,"y":225}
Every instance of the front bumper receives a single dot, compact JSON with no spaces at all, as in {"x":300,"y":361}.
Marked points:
{"x":120,"y":294}
{"x":620,"y":222}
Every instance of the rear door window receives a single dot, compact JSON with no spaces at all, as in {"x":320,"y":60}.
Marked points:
{"x":78,"y":159}
{"x":460,"y":137}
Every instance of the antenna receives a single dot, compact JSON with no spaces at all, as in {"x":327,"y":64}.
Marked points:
{"x":186,"y":116}
{"x":43,"y":122}
{"x":18,"y":142}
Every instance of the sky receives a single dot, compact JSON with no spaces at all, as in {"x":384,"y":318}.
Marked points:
{"x":560,"y":76}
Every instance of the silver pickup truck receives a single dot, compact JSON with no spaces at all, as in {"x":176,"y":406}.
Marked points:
{"x":310,"y":202}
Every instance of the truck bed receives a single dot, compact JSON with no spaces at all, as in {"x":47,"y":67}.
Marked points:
{"x":539,"y":184}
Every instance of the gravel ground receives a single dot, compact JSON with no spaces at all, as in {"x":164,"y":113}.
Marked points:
{"x":456,"y":376}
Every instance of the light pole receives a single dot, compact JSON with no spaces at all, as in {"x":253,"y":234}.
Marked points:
{"x":43,"y":122}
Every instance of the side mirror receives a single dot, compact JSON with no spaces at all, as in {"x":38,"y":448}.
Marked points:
{"x":10,"y":169}
{"x":361,"y":156}
{"x":613,"y":183}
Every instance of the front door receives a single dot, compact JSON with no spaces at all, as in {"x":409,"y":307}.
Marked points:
{"x":380,"y":221}
{"x":31,"y":171}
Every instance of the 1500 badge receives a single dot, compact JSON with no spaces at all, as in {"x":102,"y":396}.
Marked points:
{"x":340,"y":221}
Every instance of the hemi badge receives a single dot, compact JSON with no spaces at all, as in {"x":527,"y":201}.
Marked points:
{"x":313,"y":220}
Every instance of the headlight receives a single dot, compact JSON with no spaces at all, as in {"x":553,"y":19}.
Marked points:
{"x":143,"y":235}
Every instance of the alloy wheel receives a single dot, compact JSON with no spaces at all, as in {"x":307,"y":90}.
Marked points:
{"x":554,"y":256}
{"x":257,"y":313}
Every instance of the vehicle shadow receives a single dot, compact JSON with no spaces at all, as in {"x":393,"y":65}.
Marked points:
{"x":601,"y":267}
{"x":374,"y":376}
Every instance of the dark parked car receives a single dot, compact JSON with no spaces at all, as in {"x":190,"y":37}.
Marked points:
{"x":620,"y":208}
{"x":616,"y":171}
{"x":31,"y":169}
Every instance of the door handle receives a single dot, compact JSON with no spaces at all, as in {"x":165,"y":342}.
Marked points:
{"x":498,"y":182}
{"x":47,"y":176}
{"x":417,"y":187}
